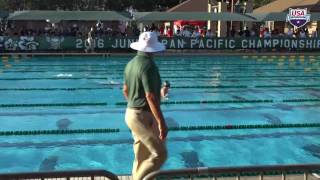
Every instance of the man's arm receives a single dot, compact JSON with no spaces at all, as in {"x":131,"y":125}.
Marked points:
{"x":125,"y":91}
{"x":156,"y":111}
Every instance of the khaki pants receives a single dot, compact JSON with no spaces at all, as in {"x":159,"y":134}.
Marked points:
{"x":150,"y":152}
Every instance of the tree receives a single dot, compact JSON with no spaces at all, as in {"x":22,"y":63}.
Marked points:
{"x":166,"y":4}
{"x":259,"y":3}
{"x":116,"y":5}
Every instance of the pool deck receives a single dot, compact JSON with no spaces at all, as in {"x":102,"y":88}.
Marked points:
{"x":288,"y":177}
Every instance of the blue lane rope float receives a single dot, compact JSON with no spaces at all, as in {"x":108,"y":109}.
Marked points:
{"x":208,"y":102}
{"x":282,"y":76}
{"x":159,"y":64}
{"x":165,"y":103}
{"x":228,"y":101}
{"x":301,"y":100}
{"x":166,"y":77}
{"x":77,"y":78}
{"x":63,"y":65}
{"x":53,"y":105}
{"x":175,"y":87}
{"x":54,"y":78}
{"x":244,"y":86}
{"x":57,"y":132}
{"x":208,"y":87}
{"x":53,"y":89}
{"x":58,"y":71}
{"x":179,"y":128}
{"x":280,"y":86}
{"x":161,"y":70}
{"x":257,"y":126}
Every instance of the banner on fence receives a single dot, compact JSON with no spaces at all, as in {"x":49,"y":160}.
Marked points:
{"x":73,"y":43}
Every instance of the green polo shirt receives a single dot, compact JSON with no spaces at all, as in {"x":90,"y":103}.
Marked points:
{"x":141,"y":75}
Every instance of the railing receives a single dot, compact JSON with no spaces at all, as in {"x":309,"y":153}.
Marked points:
{"x":61,"y":175}
{"x":237,"y":172}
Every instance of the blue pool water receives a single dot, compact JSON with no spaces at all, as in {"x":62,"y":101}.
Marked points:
{"x":45,"y":80}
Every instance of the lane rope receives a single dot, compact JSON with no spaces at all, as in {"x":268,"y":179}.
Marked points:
{"x":179,"y":128}
{"x":224,"y":78}
{"x":174,"y":87}
{"x":164,"y":103}
{"x":53,"y":105}
{"x":229,"y":101}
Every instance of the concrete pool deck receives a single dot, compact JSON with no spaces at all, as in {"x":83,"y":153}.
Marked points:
{"x":288,"y":177}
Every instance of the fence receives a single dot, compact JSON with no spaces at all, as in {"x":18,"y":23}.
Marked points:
{"x":237,"y":172}
{"x":26,"y":43}
{"x":61,"y":175}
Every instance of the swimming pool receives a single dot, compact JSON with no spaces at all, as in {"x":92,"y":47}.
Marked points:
{"x":71,"y":93}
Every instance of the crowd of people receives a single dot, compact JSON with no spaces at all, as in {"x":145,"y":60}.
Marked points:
{"x":197,"y":32}
{"x":203,"y":32}
{"x":74,"y":30}
{"x":132,"y":30}
{"x":291,"y":33}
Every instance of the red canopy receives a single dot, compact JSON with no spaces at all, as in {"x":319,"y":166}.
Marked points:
{"x":193,"y":23}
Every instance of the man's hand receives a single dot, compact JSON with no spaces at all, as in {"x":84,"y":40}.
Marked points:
{"x":154,"y":105}
{"x":125,"y":91}
{"x":163,"y":131}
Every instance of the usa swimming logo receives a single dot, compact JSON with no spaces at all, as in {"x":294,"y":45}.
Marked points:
{"x":298,"y":17}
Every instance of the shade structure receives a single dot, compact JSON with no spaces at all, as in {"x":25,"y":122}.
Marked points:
{"x":201,"y":16}
{"x":280,"y":16}
{"x":69,"y":15}
{"x":315,"y":17}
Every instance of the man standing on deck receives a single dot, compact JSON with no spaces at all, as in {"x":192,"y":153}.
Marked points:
{"x":141,"y":88}
{"x":90,"y":41}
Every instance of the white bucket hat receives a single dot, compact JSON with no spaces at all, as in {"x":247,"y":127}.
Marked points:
{"x":148,"y":42}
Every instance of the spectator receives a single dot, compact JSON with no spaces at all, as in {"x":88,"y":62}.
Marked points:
{"x":157,"y":32}
{"x":153,"y":27}
{"x":186,"y":32}
{"x":170,"y":33}
{"x":253,"y":32}
{"x":290,"y":33}
{"x":178,"y":33}
{"x":196,"y":33}
{"x":261,"y":32}
{"x":315,"y":33}
{"x":209,"y":33}
{"x":146,"y":28}
{"x":202,"y":32}
{"x":90,"y":41}
{"x":267,"y":33}
{"x":247,"y":32}
{"x":161,"y":30}
{"x":241,"y":33}
{"x":302,"y":34}
{"x":306,"y":30}
{"x":275,"y":33}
